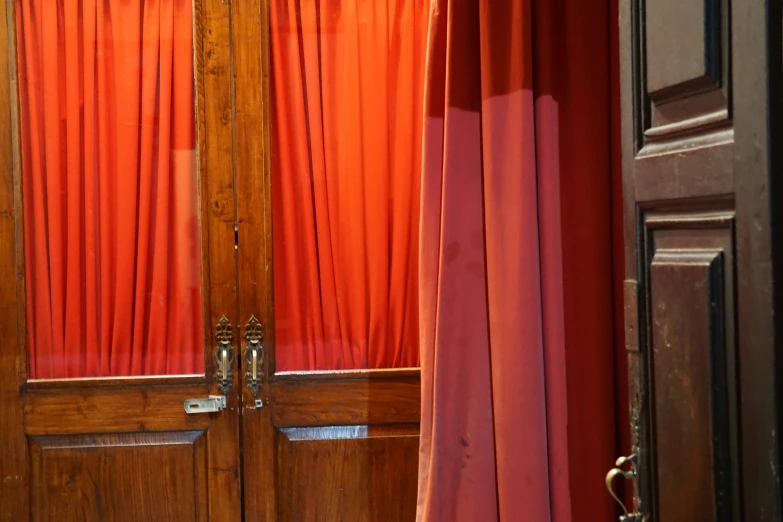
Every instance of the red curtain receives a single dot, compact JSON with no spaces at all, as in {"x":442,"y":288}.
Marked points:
{"x":483,"y":450}
{"x":515,"y":263}
{"x":575,"y":149}
{"x":109,"y":187}
{"x":347,"y":92}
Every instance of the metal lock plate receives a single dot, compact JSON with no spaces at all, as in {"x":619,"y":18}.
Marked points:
{"x":211,"y":404}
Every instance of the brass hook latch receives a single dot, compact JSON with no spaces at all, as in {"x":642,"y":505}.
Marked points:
{"x":211,"y":404}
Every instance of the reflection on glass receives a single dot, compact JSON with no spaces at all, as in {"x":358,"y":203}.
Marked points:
{"x":109,"y":183}
{"x":347,"y":83}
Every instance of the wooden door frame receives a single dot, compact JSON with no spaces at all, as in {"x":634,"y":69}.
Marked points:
{"x":759,"y":256}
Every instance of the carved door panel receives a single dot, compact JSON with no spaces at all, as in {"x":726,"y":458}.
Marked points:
{"x":700,"y":83}
{"x":117,"y":259}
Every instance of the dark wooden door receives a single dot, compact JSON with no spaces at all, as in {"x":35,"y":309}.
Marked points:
{"x":124,"y":449}
{"x":700,"y":89}
{"x":317,"y":446}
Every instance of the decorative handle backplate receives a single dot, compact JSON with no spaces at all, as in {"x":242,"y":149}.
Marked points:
{"x":224,"y":355}
{"x":254,"y":355}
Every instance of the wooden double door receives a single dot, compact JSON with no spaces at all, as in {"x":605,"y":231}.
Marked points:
{"x":228,"y":438}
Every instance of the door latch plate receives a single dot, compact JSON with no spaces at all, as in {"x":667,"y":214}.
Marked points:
{"x":209,"y":405}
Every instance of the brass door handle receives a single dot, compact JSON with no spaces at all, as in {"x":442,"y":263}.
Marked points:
{"x":224,"y":355}
{"x":254,"y":357}
{"x":631,"y":473}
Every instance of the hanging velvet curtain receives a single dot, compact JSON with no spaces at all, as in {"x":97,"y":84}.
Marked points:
{"x":347,"y":94}
{"x":515,"y":263}
{"x":483,"y":450}
{"x":109,"y":187}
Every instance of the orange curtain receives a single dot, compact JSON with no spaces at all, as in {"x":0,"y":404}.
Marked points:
{"x":109,"y":187}
{"x":347,"y":91}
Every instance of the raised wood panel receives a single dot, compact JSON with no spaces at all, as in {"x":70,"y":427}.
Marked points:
{"x":683,"y":46}
{"x":684,"y":87}
{"x":116,"y":478}
{"x":329,"y":401}
{"x":690,"y":386}
{"x":691,"y":357}
{"x":347,"y":474}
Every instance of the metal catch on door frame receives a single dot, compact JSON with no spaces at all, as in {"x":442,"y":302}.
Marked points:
{"x":631,"y":473}
{"x":224,"y":355}
{"x":254,"y":357}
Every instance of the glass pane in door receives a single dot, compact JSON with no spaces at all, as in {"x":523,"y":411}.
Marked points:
{"x":108,"y":162}
{"x":347,"y":102}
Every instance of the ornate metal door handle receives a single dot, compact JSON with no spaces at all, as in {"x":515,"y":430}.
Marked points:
{"x":254,"y":357}
{"x":224,"y":355}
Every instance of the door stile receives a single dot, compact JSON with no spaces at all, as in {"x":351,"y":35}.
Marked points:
{"x":250,"y":43}
{"x":14,"y":464}
{"x":758,"y":123}
{"x":215,"y":104}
